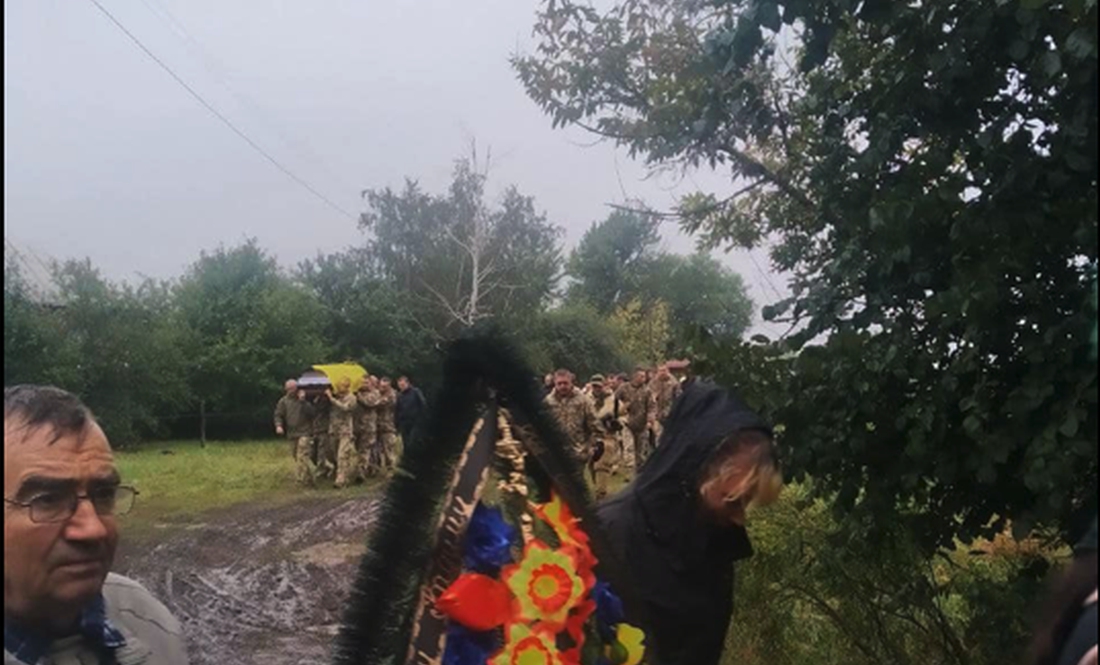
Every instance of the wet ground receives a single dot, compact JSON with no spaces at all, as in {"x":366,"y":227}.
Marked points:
{"x":257,"y":585}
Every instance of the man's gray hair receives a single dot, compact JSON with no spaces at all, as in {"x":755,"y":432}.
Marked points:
{"x":38,"y":406}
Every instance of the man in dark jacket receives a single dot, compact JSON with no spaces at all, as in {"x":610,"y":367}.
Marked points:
{"x":410,"y":406}
{"x":679,"y":531}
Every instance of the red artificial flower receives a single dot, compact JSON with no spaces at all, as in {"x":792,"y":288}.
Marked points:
{"x":567,"y":527}
{"x":478,"y":602}
{"x":526,"y":647}
{"x":574,"y":627}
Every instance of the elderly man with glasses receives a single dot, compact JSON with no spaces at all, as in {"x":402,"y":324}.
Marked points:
{"x":62,"y":499}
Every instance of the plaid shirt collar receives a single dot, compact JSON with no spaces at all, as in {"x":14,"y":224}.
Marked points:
{"x":29,"y":648}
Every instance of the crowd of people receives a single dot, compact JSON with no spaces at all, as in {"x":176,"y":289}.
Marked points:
{"x":343,"y":436}
{"x":614,"y":421}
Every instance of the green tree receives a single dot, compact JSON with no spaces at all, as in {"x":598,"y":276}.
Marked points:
{"x":574,"y":337}
{"x":804,"y":599}
{"x":644,"y":330}
{"x":928,"y":171}
{"x":618,"y":261}
{"x":700,"y":292}
{"x":114,"y":345}
{"x":366,"y":318}
{"x":36,"y":349}
{"x":250,"y":328}
{"x":611,"y":261}
{"x":131,"y":355}
{"x":463,"y":258}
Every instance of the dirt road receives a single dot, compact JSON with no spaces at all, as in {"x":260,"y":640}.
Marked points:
{"x":257,"y":585}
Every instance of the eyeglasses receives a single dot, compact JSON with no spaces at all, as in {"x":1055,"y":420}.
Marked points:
{"x":60,"y":506}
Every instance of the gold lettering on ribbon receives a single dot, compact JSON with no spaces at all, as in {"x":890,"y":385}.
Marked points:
{"x":429,"y":630}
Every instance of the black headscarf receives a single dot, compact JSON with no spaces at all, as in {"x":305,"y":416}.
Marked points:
{"x":680,"y":560}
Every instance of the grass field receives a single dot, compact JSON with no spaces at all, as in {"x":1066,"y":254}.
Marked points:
{"x":178,"y":481}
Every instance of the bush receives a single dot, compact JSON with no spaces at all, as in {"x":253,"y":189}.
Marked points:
{"x":818,"y":591}
{"x":575,"y":337}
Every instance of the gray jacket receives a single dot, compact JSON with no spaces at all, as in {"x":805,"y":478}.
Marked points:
{"x":153,"y":635}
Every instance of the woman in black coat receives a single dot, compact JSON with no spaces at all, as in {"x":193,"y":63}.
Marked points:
{"x":680,"y":526}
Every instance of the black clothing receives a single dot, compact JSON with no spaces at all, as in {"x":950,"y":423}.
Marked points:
{"x":681,"y":562}
{"x":410,"y":406}
{"x":1087,"y":544}
{"x":1084,"y":636}
{"x":1082,"y":639}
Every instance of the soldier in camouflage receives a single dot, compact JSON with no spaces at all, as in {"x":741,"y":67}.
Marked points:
{"x":665,"y":389}
{"x":366,"y":426}
{"x":294,"y":420}
{"x":342,"y":430}
{"x":605,"y":462}
{"x":636,"y":402}
{"x":324,"y":454}
{"x":576,"y":416}
{"x":386,"y":447}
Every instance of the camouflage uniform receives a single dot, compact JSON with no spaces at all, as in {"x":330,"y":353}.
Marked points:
{"x":665,"y":392}
{"x":342,"y":430}
{"x":607,"y":465}
{"x":323,"y":451}
{"x":295,"y":418}
{"x":577,"y":418}
{"x":366,"y":429}
{"x":386,"y":448}
{"x":637,"y":409}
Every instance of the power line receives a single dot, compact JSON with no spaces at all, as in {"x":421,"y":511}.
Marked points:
{"x":41,"y":284}
{"x":228,"y":123}
{"x":219,"y":72}
{"x":752,"y":256}
{"x":21,"y":256}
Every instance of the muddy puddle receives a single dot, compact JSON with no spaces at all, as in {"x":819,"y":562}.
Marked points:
{"x":258,"y":586}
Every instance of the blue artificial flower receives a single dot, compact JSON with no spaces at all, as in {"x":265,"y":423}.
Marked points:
{"x":489,"y":541}
{"x":465,"y":647}
{"x":609,"y":610}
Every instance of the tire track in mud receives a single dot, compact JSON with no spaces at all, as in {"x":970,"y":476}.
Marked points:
{"x":259,"y":586}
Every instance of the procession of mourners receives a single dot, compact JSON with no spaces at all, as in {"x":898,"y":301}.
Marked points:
{"x":342,"y":431}
{"x":612,"y":422}
{"x":345,"y":430}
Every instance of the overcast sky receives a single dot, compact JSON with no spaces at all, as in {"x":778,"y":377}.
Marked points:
{"x":106,"y":156}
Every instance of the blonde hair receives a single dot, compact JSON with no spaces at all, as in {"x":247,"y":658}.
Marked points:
{"x":749,"y":457}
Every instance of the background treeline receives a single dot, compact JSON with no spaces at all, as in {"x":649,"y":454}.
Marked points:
{"x":220,"y":339}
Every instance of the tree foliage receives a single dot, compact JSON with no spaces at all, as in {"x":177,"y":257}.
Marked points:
{"x":928,"y":171}
{"x":366,"y":318}
{"x":35,"y":347}
{"x":700,"y":292}
{"x":113,"y":344}
{"x":574,"y":337}
{"x":811,"y":597}
{"x":618,"y":261}
{"x":462,"y":258}
{"x":611,"y":261}
{"x":644,"y":329}
{"x":250,"y":328}
{"x":129,"y":354}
